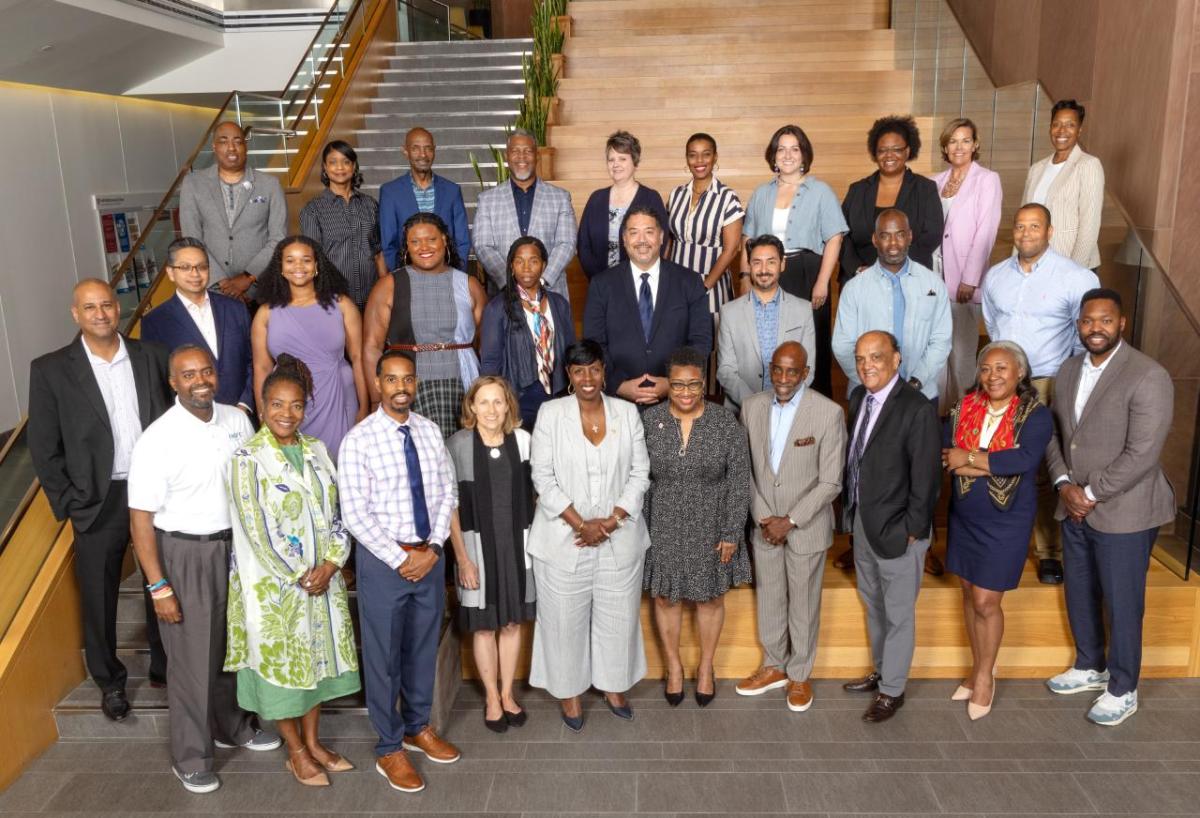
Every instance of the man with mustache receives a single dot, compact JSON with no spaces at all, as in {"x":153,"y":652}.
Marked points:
{"x":398,"y":489}
{"x":1112,"y":411}
{"x":88,"y":404}
{"x":643,"y":309}
{"x":420,"y":191}
{"x":182,"y":533}
{"x":1032,"y":298}
{"x":526,"y":206}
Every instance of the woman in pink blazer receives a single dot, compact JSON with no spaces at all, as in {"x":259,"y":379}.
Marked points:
{"x":970,"y":196}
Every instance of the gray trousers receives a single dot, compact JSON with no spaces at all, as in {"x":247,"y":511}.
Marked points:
{"x":788,"y":586}
{"x":201,"y":696}
{"x":960,"y":371}
{"x":888,"y":590}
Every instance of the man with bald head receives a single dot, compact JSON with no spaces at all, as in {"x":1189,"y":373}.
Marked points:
{"x":88,"y":404}
{"x":797,"y":448}
{"x":238,"y":213}
{"x":420,"y":191}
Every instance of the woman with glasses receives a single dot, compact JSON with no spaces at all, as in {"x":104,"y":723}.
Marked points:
{"x":696,"y":511}
{"x":892,"y":142}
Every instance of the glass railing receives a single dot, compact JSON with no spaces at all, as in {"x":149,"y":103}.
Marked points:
{"x":949,"y":81}
{"x":428,"y":21}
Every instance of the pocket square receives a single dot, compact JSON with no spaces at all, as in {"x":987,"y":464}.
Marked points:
{"x":261,"y":199}
{"x":931,"y":292}
{"x":805,"y":441}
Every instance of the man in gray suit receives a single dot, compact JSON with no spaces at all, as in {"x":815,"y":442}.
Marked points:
{"x":797,"y":446}
{"x":751,"y":327}
{"x":239,"y":214}
{"x":1112,"y":411}
{"x":526,"y":206}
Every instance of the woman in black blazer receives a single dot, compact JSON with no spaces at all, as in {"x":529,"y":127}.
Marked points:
{"x":599,"y":245}
{"x":892,"y":142}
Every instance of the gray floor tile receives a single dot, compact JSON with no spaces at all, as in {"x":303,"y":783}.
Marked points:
{"x":1010,"y":749}
{"x":725,"y":794}
{"x":1120,"y":792}
{"x":31,"y":792}
{"x":1142,"y":749}
{"x":891,"y":793}
{"x":604,"y":750}
{"x":1009,"y":792}
{"x":566,"y":792}
{"x":733,"y":725}
{"x":1091,"y":765}
{"x":908,"y":725}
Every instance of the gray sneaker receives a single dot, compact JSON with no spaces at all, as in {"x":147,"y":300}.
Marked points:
{"x":260,"y":742}
{"x":198,"y":783}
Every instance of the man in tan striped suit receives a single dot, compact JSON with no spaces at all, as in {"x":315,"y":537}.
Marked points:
{"x":797,"y":451}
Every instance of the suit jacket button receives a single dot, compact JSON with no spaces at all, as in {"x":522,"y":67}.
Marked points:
{"x":1072,"y":445}
{"x":776,"y":484}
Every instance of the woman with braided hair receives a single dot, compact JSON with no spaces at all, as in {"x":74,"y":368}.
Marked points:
{"x":291,"y":641}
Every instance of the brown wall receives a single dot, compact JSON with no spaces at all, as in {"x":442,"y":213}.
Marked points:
{"x":510,"y":18}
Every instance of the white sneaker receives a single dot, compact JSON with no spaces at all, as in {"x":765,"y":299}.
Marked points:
{"x":1077,"y":681}
{"x":1110,"y":710}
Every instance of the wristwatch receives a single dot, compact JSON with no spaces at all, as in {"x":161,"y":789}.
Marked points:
{"x":970,"y":458}
{"x":437,"y":549}
{"x":915,"y":383}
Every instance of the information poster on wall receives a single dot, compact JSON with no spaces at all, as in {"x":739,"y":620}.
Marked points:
{"x":123,"y":218}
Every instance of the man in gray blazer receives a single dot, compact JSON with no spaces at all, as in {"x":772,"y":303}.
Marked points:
{"x":239,"y":214}
{"x":1112,"y":411}
{"x":797,"y":449}
{"x":753,"y":326}
{"x":526,"y":206}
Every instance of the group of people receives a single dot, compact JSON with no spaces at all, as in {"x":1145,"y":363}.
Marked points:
{"x":688,"y":440}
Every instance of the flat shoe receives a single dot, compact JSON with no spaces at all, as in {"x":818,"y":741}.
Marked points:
{"x":499,"y":725}
{"x":517,"y":719}
{"x":318,"y":780}
{"x":338,"y":765}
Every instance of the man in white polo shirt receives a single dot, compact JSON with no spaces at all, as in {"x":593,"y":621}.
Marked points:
{"x":180,"y":522}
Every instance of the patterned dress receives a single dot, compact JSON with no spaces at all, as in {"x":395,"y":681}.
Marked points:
{"x":700,"y":496}
{"x":291,"y":651}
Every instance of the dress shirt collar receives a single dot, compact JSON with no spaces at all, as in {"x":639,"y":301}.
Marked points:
{"x":774,"y":300}
{"x":1046,"y":259}
{"x":905,"y":269}
{"x":882,"y":394}
{"x":96,"y":360}
{"x":793,"y":403}
{"x":517,"y":191}
{"x":1097,"y":370}
{"x":382,"y":418}
{"x":191,"y":306}
{"x":186,"y":416}
{"x":654,"y":270}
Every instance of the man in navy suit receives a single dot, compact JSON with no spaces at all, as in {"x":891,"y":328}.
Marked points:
{"x":208,"y":319}
{"x":420,"y":190}
{"x":643,"y":309}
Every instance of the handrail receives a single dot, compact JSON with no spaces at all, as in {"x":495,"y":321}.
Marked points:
{"x":316,"y":82}
{"x":333,"y":7}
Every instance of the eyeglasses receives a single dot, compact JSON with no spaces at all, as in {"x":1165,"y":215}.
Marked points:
{"x":189,"y":268}
{"x":679,"y":387}
{"x":894,"y":150}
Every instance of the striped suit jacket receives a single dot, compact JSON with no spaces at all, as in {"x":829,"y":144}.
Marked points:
{"x":496,"y":227}
{"x":810,"y":471}
{"x":1075,"y":201}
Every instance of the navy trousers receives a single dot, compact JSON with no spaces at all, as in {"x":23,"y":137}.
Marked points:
{"x":400,"y":622}
{"x":1106,"y":573}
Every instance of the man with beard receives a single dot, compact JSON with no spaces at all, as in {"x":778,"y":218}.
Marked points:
{"x":398,"y":490}
{"x":420,"y":191}
{"x":181,"y":525}
{"x":1032,"y":299}
{"x":238,"y":213}
{"x":526,"y":206}
{"x":642,"y":310}
{"x":753,"y":326}
{"x":1112,"y":411}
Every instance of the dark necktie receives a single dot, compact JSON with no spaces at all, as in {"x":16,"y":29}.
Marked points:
{"x":416,"y":485}
{"x":856,"y":451}
{"x":646,"y":306}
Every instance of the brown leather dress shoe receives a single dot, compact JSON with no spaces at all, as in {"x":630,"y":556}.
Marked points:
{"x":867,"y":684}
{"x":399,"y":772}
{"x":760,"y":681}
{"x":883,"y":707}
{"x":433,"y":746}
{"x":845,"y":560}
{"x":799,"y":696}
{"x":933,"y":566}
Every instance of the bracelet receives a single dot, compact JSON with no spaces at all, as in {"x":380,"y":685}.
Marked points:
{"x":162,"y":583}
{"x":162,"y":593}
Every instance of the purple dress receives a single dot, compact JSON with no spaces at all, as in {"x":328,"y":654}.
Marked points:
{"x":317,"y":336}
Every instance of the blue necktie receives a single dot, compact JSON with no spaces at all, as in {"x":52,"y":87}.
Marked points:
{"x":856,"y":451}
{"x":416,"y":485}
{"x":897,"y":311}
{"x":646,"y":306}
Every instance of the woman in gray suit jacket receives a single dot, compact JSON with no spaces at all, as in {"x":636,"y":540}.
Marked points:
{"x":588,"y":541}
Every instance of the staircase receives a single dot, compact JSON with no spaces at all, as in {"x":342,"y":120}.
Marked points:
{"x":464,"y":92}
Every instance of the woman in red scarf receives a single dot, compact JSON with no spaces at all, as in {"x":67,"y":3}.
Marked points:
{"x":994,"y":445}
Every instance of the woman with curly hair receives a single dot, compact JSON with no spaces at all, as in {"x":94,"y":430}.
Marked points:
{"x":307,"y":313}
{"x":429,"y":309}
{"x":291,"y":641}
{"x":892,"y":142}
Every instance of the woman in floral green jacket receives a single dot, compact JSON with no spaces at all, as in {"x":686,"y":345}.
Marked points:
{"x":291,"y":641}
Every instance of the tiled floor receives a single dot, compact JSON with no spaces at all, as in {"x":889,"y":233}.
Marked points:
{"x":1035,"y":755}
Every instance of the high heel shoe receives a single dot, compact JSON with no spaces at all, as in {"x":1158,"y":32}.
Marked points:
{"x":961,"y":694}
{"x":337,"y":765}
{"x":675,"y":698}
{"x":978,"y":711}
{"x":703,"y":699}
{"x":318,"y":780}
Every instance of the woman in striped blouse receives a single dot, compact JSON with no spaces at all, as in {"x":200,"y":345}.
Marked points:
{"x":706,"y":228}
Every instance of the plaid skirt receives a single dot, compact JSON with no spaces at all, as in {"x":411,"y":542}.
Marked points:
{"x":441,"y":401}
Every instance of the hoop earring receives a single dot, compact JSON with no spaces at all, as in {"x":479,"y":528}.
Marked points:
{"x":571,"y":389}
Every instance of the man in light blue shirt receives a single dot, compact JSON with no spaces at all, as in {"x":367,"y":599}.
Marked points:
{"x":900,"y":296}
{"x":1032,"y":299}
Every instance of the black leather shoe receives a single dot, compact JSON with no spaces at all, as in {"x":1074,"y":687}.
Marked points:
{"x":158,"y":682}
{"x":115,"y":705}
{"x":703,"y":699}
{"x":673,"y":699}
{"x":495,"y":725}
{"x":623,"y":711}
{"x":868,"y":684}
{"x":1050,"y":572}
{"x":933,"y":566}
{"x":883,"y":707}
{"x":516,"y":719}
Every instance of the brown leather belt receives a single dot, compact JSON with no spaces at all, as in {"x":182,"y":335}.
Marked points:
{"x":439,"y":347}
{"x":419,"y":546}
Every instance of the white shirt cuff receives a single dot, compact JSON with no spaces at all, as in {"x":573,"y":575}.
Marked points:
{"x":1087,"y":490}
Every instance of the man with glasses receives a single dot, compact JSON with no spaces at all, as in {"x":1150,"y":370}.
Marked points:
{"x":238,"y":213}
{"x":215,"y":322}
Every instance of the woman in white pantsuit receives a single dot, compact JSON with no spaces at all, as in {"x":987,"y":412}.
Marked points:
{"x":588,"y":541}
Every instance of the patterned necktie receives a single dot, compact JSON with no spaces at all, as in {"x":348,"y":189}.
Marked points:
{"x":543,"y":338}
{"x":856,"y":451}
{"x":416,"y":485}
{"x":646,"y":306}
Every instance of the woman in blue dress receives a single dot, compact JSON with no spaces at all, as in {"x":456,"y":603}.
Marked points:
{"x":994,"y":442}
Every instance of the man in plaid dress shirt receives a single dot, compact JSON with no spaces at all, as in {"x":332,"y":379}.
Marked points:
{"x":398,"y":491}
